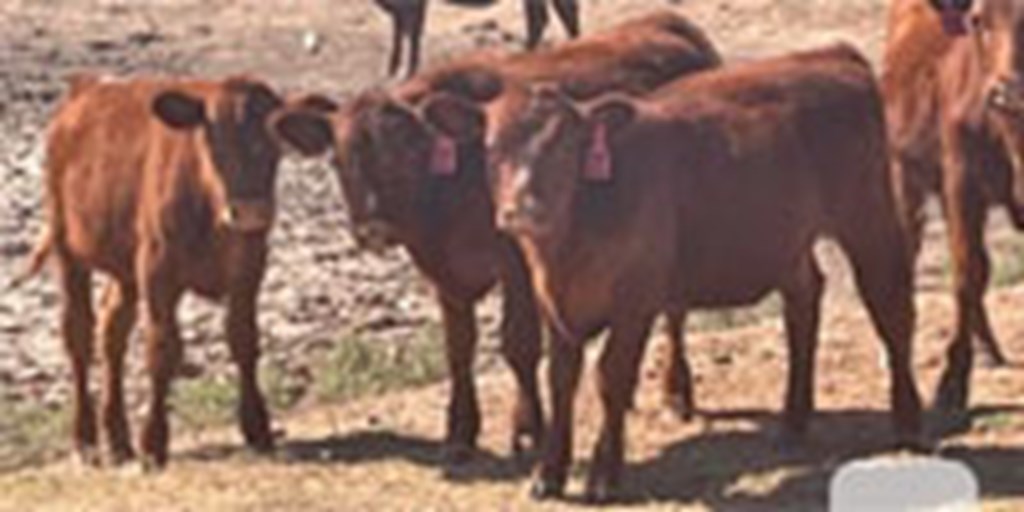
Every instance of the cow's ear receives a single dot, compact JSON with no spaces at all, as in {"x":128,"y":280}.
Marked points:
{"x":309,"y":132}
{"x":179,"y":110}
{"x":317,"y":103}
{"x":455,"y":117}
{"x":454,"y":120}
{"x":604,"y":118}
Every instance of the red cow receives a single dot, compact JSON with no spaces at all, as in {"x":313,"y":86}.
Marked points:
{"x":405,"y":183}
{"x":709,"y":192}
{"x":166,"y":186}
{"x":954,"y":106}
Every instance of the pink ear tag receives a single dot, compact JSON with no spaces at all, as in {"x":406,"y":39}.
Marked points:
{"x":444,"y":157}
{"x":598,"y":166}
{"x":954,"y":21}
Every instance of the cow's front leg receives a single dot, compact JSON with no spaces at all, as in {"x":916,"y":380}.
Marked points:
{"x":521,"y":347}
{"x":460,"y":347}
{"x":243,"y":339}
{"x":618,"y":373}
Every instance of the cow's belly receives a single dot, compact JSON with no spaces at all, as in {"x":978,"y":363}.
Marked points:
{"x":741,"y":261}
{"x":211,"y":266}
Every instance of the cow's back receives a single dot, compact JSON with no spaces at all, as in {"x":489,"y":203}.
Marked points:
{"x":635,"y":56}
{"x":764,"y":157}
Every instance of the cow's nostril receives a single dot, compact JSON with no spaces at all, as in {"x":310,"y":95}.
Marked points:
{"x":229,"y":216}
{"x":1007,"y":95}
{"x":371,"y":204}
{"x":528,"y":205}
{"x":506,"y":218}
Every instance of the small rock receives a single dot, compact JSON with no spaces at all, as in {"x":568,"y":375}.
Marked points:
{"x":722,"y":359}
{"x":311,"y":42}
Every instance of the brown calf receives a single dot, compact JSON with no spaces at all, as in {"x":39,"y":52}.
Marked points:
{"x":409,"y":16}
{"x":954,"y":106}
{"x":166,"y":186}
{"x":709,"y":192}
{"x":407,"y":183}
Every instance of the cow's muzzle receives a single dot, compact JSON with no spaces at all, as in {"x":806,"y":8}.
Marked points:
{"x":1006,"y":96}
{"x":248,"y":215}
{"x":523,"y":216}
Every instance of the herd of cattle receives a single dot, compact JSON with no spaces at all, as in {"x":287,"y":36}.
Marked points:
{"x":602,"y":182}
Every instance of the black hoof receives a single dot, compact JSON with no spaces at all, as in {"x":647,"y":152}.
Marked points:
{"x":88,"y":457}
{"x":542,"y":490}
{"x":151,"y":464}
{"x":120,"y":456}
{"x":599,"y":492}
{"x":262,"y":447}
{"x":525,"y":446}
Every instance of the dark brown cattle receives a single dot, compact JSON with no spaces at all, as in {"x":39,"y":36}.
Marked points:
{"x":954,"y":107}
{"x":165,"y":186}
{"x":406,"y":183}
{"x":409,"y":16}
{"x":707,"y":193}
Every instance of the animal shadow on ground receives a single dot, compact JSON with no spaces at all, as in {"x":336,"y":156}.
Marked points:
{"x":749,"y":470}
{"x":366,"y":446}
{"x":721,"y":468}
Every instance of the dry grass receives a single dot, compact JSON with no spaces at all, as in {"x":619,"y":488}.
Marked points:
{"x":382,"y":452}
{"x":345,"y":450}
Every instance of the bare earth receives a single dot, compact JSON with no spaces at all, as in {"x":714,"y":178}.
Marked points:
{"x":381,"y":453}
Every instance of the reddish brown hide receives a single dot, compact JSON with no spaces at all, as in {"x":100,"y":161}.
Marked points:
{"x":165,"y":186}
{"x":407,"y":183}
{"x":709,"y":192}
{"x":954,"y":107}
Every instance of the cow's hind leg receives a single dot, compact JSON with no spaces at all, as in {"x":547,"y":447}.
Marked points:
{"x":521,"y":347}
{"x":965,"y":216}
{"x":882,"y":270}
{"x":397,"y":42}
{"x":77,"y":329}
{"x":414,"y":22}
{"x":569,"y":12}
{"x":536,"y":21}
{"x":801,"y":295}
{"x":117,"y":318}
{"x":677,"y":380}
{"x":991,"y":352}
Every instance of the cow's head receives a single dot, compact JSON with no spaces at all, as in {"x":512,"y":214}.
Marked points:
{"x":238,"y":122}
{"x":998,"y":40}
{"x":954,"y":14}
{"x":389,"y":155}
{"x":542,"y":149}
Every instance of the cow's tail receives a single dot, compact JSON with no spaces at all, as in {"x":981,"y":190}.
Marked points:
{"x":40,"y":254}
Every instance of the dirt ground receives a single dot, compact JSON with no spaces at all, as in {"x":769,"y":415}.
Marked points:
{"x":381,"y":453}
